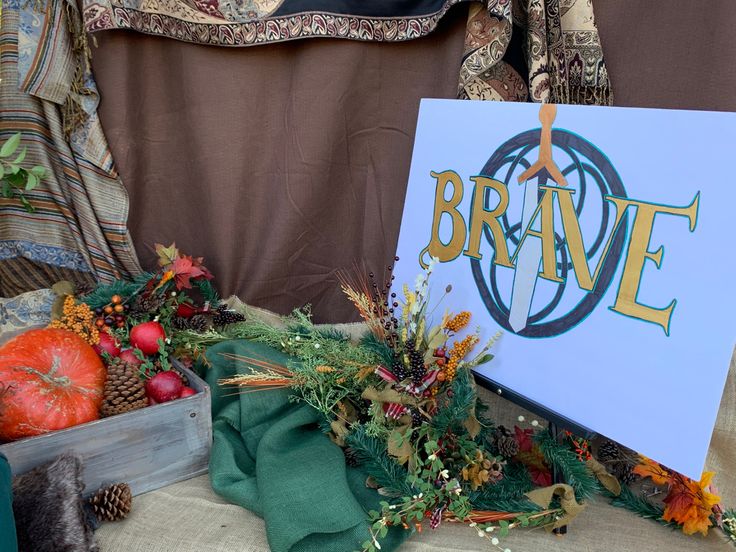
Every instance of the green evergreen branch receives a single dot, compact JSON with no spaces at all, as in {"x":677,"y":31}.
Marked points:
{"x":573,"y":470}
{"x":208,"y":291}
{"x":373,"y":455}
{"x":507,"y":495}
{"x":379,"y":347}
{"x":640,"y":505}
{"x":459,"y":407}
{"x":100,"y":296}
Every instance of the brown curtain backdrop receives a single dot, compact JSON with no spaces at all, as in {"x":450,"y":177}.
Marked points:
{"x":279,"y":163}
{"x":284,"y":163}
{"x":670,"y":53}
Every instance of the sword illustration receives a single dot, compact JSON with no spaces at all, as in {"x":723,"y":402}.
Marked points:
{"x":529,"y":255}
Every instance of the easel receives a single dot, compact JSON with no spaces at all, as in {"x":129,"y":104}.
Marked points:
{"x":557,"y":422}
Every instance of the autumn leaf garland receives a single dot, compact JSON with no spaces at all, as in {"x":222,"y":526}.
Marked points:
{"x":689,"y":503}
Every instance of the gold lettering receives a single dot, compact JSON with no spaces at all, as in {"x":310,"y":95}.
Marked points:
{"x":574,"y":238}
{"x":637,"y":253}
{"x":480,"y":217}
{"x":436,"y":248}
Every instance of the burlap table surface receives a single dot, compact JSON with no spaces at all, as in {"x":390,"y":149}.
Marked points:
{"x":189,"y":516}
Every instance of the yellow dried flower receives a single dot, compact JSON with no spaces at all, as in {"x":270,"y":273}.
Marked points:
{"x":322,"y":369}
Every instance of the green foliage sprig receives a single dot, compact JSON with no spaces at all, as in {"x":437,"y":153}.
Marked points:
{"x":14,"y":178}
{"x":574,"y":471}
{"x":728,"y":525}
{"x":371,"y":453}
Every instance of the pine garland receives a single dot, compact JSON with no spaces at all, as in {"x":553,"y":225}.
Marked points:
{"x":640,"y":505}
{"x":370,"y":342}
{"x":574,"y":471}
{"x":372,"y":454}
{"x":459,"y":407}
{"x":507,"y":495}
{"x":208,"y":291}
{"x":333,"y":334}
{"x":100,"y":296}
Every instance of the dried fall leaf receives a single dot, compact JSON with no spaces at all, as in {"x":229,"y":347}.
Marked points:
{"x":690,"y":503}
{"x":650,"y":468}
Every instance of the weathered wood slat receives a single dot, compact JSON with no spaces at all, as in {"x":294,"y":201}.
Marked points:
{"x":148,"y":448}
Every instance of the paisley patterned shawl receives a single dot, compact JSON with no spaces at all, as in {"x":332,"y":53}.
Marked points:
{"x":252,"y":22}
{"x":562,"y":53}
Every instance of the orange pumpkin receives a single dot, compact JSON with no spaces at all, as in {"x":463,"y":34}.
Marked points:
{"x":49,"y":379}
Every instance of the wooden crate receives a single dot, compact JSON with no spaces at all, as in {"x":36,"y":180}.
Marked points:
{"x":147,"y":448}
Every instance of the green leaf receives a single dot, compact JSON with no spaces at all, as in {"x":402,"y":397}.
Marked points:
{"x":39,"y":171}
{"x":10,"y":145}
{"x":504,"y":532}
{"x":21,"y":155}
{"x":14,"y":168}
{"x":28,"y":207}
{"x":482,"y":360}
{"x":7,"y":189}
{"x":383,"y":532}
{"x":32,"y":182}
{"x":2,"y":170}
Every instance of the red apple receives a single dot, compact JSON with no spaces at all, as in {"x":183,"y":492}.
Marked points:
{"x":164,"y":386}
{"x":186,"y":310}
{"x":145,"y":337}
{"x":187,"y":392}
{"x":107,"y":344}
{"x":128,"y":355}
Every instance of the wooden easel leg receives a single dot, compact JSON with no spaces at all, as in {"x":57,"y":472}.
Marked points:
{"x":556,"y":475}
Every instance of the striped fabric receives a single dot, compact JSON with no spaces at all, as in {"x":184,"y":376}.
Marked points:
{"x":78,"y":231}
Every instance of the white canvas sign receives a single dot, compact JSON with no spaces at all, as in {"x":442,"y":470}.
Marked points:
{"x":601,"y":241}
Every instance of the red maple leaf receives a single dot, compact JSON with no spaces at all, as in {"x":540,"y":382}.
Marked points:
{"x":524,"y":438}
{"x":186,"y":270}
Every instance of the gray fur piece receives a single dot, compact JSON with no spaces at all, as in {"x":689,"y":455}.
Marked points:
{"x":49,"y":508}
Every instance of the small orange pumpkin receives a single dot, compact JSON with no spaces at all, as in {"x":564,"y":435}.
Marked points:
{"x":49,"y":379}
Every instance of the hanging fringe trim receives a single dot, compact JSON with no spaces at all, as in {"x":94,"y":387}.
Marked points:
{"x":73,"y":113}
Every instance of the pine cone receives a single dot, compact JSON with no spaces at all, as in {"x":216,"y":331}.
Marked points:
{"x":505,"y":443}
{"x":624,"y":472}
{"x":351,"y":457}
{"x":112,"y":503}
{"x":608,"y":451}
{"x":124,"y":391}
{"x":183,"y":376}
{"x":224,"y":316}
{"x":146,"y":304}
{"x":196,"y":323}
{"x":507,"y":447}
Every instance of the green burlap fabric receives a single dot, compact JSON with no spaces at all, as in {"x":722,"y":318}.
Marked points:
{"x":8,"y":542}
{"x":270,"y":457}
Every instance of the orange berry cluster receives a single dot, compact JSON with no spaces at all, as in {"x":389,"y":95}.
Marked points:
{"x":458,"y":322}
{"x":457,"y":353}
{"x":77,"y":318}
{"x":112,"y":314}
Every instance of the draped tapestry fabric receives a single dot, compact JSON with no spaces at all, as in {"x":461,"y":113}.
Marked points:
{"x":562,"y":58}
{"x":251,"y":22}
{"x":78,"y":230}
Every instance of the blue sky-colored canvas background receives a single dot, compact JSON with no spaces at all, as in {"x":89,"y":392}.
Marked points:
{"x":619,"y":376}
